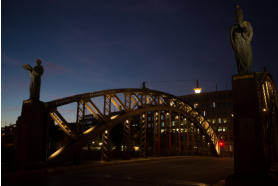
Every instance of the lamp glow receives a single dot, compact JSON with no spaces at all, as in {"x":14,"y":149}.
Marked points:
{"x":197,"y":90}
{"x":136,"y":148}
{"x":264,"y":110}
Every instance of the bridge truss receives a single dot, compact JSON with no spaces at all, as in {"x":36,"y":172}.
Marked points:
{"x":160,"y":120}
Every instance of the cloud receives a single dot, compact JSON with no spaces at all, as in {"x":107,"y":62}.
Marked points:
{"x":50,"y":66}
{"x":11,"y":61}
{"x":54,"y":68}
{"x":13,"y":87}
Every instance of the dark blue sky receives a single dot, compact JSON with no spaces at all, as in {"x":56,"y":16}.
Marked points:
{"x":94,"y":45}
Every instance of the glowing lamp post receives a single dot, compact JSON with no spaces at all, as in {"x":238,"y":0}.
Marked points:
{"x":197,"y":90}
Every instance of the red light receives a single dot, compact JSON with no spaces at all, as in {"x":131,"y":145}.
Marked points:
{"x":221,"y":143}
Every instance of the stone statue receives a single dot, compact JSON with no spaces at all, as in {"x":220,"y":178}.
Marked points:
{"x":241,"y":37}
{"x":36,"y":74}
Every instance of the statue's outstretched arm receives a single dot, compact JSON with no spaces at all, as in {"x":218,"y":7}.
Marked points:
{"x":28,"y":67}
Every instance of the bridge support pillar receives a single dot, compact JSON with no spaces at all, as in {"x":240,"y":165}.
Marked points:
{"x":80,"y":116}
{"x":179,"y":134}
{"x":143,"y":137}
{"x":169,"y":126}
{"x":158,"y":133}
{"x":192,"y":140}
{"x":187,"y":137}
{"x":32,"y":128}
{"x":105,"y":146}
{"x":127,"y":137}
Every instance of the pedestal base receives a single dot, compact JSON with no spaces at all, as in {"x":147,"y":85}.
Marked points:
{"x":31,"y":135}
{"x":250,"y":137}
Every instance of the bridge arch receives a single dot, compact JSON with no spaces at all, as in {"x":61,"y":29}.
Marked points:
{"x":127,"y":103}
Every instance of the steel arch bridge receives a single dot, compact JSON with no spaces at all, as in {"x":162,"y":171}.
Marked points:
{"x":111,"y":107}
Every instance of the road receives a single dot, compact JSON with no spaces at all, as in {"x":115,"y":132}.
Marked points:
{"x":186,"y":170}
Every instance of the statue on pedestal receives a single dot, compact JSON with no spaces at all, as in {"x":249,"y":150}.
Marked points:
{"x":32,"y":125}
{"x":36,"y":74}
{"x":241,"y":37}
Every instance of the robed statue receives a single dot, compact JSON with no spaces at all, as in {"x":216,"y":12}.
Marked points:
{"x":241,"y":37}
{"x":36,"y":74}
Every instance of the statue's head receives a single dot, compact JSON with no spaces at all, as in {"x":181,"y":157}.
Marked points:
{"x":239,"y":15}
{"x":38,"y":62}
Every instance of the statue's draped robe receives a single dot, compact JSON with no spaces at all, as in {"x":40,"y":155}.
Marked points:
{"x":35,"y":82}
{"x":241,"y":38}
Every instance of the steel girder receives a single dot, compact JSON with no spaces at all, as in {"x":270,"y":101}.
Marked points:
{"x":126,"y":103}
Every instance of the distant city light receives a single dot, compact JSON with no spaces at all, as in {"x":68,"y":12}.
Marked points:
{"x":264,"y":109}
{"x":136,"y":148}
{"x":196,"y":105}
{"x":171,"y":103}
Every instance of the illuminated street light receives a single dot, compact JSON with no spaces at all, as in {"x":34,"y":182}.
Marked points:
{"x":264,"y":110}
{"x":136,"y":148}
{"x":197,"y":90}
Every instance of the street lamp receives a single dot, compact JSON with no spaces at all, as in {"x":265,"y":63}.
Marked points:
{"x":197,"y":89}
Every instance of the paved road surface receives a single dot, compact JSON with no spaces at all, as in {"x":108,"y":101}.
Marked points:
{"x":158,"y":171}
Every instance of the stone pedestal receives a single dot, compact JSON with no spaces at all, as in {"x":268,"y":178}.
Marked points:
{"x":249,"y":134}
{"x":251,"y":140}
{"x":31,"y":135}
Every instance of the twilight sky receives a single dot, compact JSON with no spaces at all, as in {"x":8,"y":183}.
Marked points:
{"x":91,"y":45}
